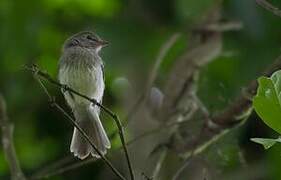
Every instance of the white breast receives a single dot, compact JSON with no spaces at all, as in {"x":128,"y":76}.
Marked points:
{"x":87,"y":81}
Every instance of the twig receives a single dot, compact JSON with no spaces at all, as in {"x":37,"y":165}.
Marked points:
{"x":266,"y":5}
{"x":156,"y":130}
{"x":74,"y":123}
{"x":60,"y":170}
{"x":159,"y":163}
{"x":145,"y":176}
{"x":163,"y":52}
{"x":184,"y":165}
{"x":153,"y":74}
{"x":231,"y":116}
{"x":192,"y":153}
{"x":8,"y":143}
{"x":46,"y":76}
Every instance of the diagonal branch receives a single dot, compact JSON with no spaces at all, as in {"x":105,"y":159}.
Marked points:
{"x":33,"y":68}
{"x":74,"y":123}
{"x":8,"y":143}
{"x":153,"y":73}
{"x":50,"y":171}
{"x":231,"y":116}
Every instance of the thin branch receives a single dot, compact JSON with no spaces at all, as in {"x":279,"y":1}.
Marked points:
{"x":232,"y":116}
{"x":60,"y":170}
{"x":266,"y":5}
{"x":159,"y":163}
{"x":47,"y":77}
{"x":193,"y":151}
{"x":153,"y":74}
{"x":8,"y":143}
{"x":182,"y":168}
{"x":157,"y":130}
{"x":162,"y":54}
{"x":151,"y":78}
{"x":74,"y":123}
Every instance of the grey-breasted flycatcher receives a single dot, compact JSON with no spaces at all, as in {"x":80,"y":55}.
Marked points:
{"x":81,"y":68}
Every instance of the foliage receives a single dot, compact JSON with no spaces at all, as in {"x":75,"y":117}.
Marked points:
{"x":267,"y":104}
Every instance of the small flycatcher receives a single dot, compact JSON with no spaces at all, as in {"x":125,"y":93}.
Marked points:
{"x":81,"y":68}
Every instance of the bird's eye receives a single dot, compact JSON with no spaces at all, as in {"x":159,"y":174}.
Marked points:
{"x":91,"y":38}
{"x":75,"y":41}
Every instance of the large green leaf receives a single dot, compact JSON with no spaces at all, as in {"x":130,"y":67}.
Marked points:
{"x":267,"y":102}
{"x":267,"y":143}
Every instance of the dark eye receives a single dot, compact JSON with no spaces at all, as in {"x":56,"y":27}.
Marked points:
{"x":91,"y":38}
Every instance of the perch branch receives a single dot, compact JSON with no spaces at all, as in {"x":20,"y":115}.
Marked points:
{"x":46,"y":76}
{"x":37,"y":73}
{"x":59,"y":170}
{"x":8,"y":143}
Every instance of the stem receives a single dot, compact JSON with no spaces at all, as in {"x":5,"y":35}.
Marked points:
{"x":72,"y":121}
{"x":8,"y":143}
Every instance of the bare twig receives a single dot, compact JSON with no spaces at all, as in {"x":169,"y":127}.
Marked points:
{"x":163,"y":52}
{"x":59,"y":170}
{"x":8,"y":143}
{"x":182,"y":168}
{"x":151,"y":78}
{"x":145,"y":176}
{"x":46,"y":76}
{"x":266,"y":5}
{"x":159,"y":163}
{"x":153,"y":74}
{"x":192,"y":153}
{"x":73,"y":122}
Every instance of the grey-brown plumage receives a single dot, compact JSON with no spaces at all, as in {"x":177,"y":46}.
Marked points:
{"x":81,"y":68}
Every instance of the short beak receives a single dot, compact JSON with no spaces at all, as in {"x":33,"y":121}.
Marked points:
{"x":104,"y":43}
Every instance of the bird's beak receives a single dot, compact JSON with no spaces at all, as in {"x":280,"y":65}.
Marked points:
{"x":103,"y":43}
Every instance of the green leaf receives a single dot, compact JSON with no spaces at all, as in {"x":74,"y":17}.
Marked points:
{"x":267,"y":143}
{"x":267,"y":102}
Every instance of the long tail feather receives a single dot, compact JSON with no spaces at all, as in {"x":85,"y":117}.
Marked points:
{"x":88,"y":119}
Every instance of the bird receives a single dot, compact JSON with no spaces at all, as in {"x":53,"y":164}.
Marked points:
{"x":82,"y":69}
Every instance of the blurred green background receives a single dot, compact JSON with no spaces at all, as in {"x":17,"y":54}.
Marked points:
{"x":34,"y":31}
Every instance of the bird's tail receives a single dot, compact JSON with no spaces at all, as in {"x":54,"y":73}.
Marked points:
{"x":88,"y":119}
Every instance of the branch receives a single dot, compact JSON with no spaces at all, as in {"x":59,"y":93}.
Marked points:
{"x":159,"y":163}
{"x":153,"y":74}
{"x":266,"y":5}
{"x":35,"y":70}
{"x":232,"y":116}
{"x":37,"y":73}
{"x":151,"y":78}
{"x":56,"y":169}
{"x":8,"y":143}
